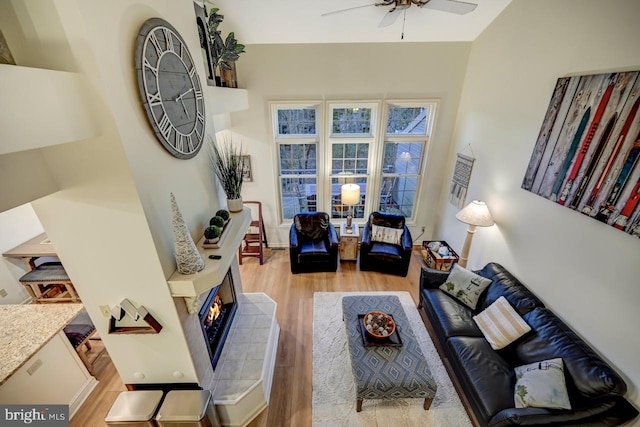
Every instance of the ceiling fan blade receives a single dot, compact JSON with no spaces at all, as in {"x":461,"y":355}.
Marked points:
{"x":452,"y":6}
{"x":344,"y":10}
{"x":389,"y":18}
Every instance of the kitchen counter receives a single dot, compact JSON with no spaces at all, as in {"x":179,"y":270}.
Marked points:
{"x":26,"y":328}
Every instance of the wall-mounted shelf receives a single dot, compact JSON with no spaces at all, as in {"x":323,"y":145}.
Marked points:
{"x":222,"y":100}
{"x":190,"y":286}
{"x":47,"y":108}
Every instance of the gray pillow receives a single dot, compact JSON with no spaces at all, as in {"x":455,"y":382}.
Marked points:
{"x":465,"y":285}
{"x":541,"y":385}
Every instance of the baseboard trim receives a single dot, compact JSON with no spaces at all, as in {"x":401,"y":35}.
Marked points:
{"x":82,"y":395}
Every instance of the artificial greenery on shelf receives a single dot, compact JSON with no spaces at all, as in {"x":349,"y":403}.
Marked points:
{"x":223,"y":51}
{"x":226,"y":162}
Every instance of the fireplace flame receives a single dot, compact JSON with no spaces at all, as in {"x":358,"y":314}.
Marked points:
{"x":214,"y":311}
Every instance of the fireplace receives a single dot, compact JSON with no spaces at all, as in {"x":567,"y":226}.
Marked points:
{"x":216,"y":316}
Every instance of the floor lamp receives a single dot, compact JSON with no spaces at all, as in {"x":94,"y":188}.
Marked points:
{"x":350,"y":196}
{"x":475,"y":214}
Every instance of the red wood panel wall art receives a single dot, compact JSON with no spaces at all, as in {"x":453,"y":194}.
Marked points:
{"x":587,"y":152}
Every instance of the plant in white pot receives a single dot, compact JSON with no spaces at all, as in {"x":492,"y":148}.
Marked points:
{"x":226,"y":161}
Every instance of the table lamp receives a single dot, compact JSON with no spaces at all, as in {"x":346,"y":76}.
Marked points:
{"x":350,"y":196}
{"x":476,"y":214}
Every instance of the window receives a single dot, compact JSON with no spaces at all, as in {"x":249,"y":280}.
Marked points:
{"x":296,"y":136}
{"x":408,"y":126}
{"x":352,"y":135}
{"x":380,"y":146}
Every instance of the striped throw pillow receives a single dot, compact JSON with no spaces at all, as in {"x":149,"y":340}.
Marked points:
{"x":501,"y":324}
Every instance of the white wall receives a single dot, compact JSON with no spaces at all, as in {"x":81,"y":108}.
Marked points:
{"x":110,"y":220}
{"x":584,"y":270}
{"x":17,"y":225}
{"x":346,"y":72}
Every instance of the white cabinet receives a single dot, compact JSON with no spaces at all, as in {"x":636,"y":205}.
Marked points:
{"x":53,"y":375}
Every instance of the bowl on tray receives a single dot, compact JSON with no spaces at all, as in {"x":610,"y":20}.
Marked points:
{"x":379,"y":325}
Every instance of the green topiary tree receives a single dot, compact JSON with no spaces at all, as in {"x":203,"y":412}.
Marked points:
{"x":212,"y":232}
{"x":218,"y":221}
{"x":224,"y":214}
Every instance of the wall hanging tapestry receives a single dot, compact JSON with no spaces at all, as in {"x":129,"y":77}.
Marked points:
{"x":586,"y":155}
{"x":460,"y":180}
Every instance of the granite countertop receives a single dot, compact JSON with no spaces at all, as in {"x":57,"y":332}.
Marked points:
{"x":26,"y":328}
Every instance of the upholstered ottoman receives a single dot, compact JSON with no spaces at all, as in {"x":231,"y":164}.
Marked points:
{"x":386,"y":372}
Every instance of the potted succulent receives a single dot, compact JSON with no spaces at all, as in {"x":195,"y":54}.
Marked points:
{"x":226,"y":162}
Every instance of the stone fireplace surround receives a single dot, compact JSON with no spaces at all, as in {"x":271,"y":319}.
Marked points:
{"x":241,"y":382}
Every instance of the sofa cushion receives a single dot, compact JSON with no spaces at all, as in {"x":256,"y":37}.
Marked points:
{"x":451,"y":318}
{"x":486,"y":378}
{"x":385,"y":252}
{"x":386,"y":234}
{"x":500,"y":324}
{"x":387,"y":220}
{"x":465,"y":285}
{"x":541,"y":385}
{"x":505,"y":284}
{"x":312,"y":225}
{"x":313,"y":249}
{"x":551,"y":338}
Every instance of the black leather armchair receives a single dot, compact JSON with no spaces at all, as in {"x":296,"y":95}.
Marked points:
{"x":378,"y":255}
{"x":313,"y":243}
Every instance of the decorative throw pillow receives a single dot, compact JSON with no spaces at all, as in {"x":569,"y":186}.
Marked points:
{"x":501,"y":324}
{"x":465,"y":285}
{"x":541,"y":385}
{"x":386,"y":234}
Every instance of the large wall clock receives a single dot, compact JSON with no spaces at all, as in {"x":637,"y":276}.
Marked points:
{"x":170,"y":88}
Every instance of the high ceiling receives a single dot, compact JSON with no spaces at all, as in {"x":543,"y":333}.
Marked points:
{"x":301,"y":21}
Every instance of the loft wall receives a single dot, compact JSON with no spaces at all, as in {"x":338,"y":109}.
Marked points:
{"x":346,"y":72}
{"x":584,"y":270}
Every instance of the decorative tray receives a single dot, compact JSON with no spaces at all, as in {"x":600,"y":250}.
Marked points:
{"x":393,"y":340}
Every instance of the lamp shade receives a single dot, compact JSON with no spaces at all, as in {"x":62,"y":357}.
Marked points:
{"x":476,"y":213}
{"x":350,"y":194}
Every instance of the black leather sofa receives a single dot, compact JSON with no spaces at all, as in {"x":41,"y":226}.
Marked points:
{"x":386,"y":257}
{"x":313,"y":243}
{"x":487,"y":377}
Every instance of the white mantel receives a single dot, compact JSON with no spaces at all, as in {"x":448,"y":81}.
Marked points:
{"x":190,"y":286}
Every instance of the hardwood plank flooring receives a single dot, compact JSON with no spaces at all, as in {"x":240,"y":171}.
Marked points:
{"x":290,"y":403}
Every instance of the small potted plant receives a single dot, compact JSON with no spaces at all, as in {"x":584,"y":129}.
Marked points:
{"x":217,"y":221}
{"x":224,"y":52}
{"x":226,"y":161}
{"x":224,"y":214}
{"x":212,"y":234}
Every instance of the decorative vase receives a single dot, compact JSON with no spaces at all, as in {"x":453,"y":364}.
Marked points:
{"x":187,"y":256}
{"x":235,"y":205}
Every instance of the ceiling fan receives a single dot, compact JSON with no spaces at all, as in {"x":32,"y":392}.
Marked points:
{"x":452,"y":6}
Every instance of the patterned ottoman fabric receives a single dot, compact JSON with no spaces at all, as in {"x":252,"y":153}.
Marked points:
{"x":385,"y":372}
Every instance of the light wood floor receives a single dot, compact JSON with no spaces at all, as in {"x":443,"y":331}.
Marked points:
{"x":290,"y":403}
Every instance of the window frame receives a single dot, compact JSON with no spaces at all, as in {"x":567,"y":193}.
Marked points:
{"x":432,"y":106}
{"x":279,"y":139}
{"x":324,"y":139}
{"x":348,"y":138}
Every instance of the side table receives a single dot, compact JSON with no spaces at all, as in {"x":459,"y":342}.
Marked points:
{"x":349,"y":242}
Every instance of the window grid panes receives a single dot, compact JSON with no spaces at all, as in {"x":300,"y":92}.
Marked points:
{"x":351,"y":121}
{"x":297,"y":121}
{"x":352,"y":158}
{"x":407,"y":121}
{"x":340,"y":210}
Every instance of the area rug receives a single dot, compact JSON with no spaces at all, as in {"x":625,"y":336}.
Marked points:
{"x":334,"y":402}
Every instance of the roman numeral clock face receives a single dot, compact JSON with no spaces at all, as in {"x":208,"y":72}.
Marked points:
{"x":170,"y":88}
